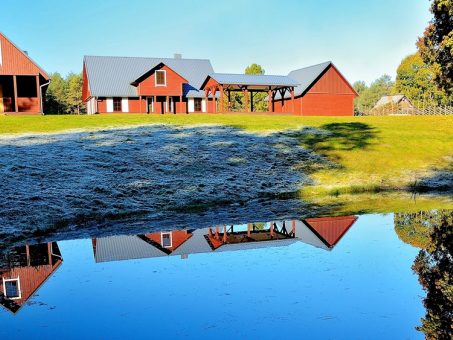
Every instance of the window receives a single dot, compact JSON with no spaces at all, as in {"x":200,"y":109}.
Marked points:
{"x":161,"y":78}
{"x":11,"y":289}
{"x":117,"y":107}
{"x":197,"y":104}
{"x":166,"y":240}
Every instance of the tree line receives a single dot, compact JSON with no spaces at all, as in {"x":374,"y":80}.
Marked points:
{"x":425,"y":77}
{"x":64,"y":94}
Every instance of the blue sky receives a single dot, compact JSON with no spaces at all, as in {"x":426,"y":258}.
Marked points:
{"x":365,"y":39}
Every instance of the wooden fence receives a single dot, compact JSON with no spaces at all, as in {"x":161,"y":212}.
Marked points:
{"x":416,"y":111}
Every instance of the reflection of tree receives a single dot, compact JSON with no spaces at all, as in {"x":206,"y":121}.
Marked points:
{"x":415,"y":228}
{"x":434,"y":266}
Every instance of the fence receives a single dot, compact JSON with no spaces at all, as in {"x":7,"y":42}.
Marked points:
{"x":415,"y":111}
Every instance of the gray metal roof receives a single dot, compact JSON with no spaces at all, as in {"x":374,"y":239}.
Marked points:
{"x":253,"y":80}
{"x":395,"y":99}
{"x":112,"y":76}
{"x":118,"y":248}
{"x":306,"y":77}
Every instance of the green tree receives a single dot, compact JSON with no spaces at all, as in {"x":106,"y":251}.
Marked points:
{"x":368,"y":96}
{"x":73,"y":98}
{"x":64,"y":95}
{"x":414,"y":79}
{"x":436,"y":44}
{"x":54,"y":101}
{"x":258,"y":98}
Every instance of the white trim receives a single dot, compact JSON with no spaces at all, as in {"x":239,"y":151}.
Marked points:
{"x":165,"y":78}
{"x":162,"y":239}
{"x":109,"y":105}
{"x":203,"y":105}
{"x":18,"y":288}
{"x":191,"y":105}
{"x":125,"y":105}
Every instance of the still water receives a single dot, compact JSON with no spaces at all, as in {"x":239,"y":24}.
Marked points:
{"x":345,"y":277}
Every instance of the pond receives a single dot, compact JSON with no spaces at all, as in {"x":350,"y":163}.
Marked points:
{"x":336,"y":277}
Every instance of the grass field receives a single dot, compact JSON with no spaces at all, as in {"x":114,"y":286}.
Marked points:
{"x":374,"y":155}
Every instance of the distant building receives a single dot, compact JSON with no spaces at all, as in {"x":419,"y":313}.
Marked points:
{"x":179,"y":85}
{"x":22,"y":81}
{"x":398,"y":101}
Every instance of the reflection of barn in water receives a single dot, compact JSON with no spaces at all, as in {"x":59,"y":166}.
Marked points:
{"x":27,"y":269}
{"x":324,"y":232}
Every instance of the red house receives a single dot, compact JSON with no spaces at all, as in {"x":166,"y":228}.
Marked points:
{"x":177,"y":85}
{"x":22,"y":81}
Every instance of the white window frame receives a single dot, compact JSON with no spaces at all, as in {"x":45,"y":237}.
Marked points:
{"x":162,"y":239}
{"x":18,"y":288}
{"x":165,"y":78}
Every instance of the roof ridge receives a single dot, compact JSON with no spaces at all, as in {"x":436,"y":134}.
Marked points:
{"x":140,"y":57}
{"x":319,"y":64}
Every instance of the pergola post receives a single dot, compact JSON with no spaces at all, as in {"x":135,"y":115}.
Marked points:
{"x":246,"y":97}
{"x":222,"y":100}
{"x":251,"y":101}
{"x":248,"y":230}
{"x":214,"y":104}
{"x":206,"y":98}
{"x":16,"y":109}
{"x":270,"y":100}
{"x":229,"y":100}
{"x":38,"y":94}
{"x":292,"y":100}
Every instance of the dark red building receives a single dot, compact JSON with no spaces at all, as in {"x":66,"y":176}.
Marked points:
{"x":22,"y":81}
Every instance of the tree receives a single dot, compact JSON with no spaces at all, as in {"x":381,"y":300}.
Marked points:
{"x":414,"y":78}
{"x":64,"y":95}
{"x":368,"y":96}
{"x":258,"y":98}
{"x":74,"y":84}
{"x":436,"y":44}
{"x":54,"y":100}
{"x":434,"y":266}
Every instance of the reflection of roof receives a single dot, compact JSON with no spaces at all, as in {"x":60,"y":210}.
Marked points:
{"x":330,"y":229}
{"x":112,"y":76}
{"x":323,"y":233}
{"x":41,"y":261}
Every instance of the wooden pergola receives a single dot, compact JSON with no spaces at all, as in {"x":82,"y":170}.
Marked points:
{"x":247,"y":84}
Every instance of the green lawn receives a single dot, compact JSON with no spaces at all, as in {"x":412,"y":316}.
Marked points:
{"x":373,"y":154}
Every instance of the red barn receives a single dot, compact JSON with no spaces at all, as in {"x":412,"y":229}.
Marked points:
{"x":322,"y":91}
{"x":22,"y":81}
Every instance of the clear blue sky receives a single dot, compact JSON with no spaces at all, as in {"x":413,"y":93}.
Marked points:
{"x":365,"y":39}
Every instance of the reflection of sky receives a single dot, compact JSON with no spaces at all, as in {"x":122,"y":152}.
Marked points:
{"x":363,"y":288}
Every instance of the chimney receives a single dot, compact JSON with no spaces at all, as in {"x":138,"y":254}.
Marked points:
{"x":178,"y":56}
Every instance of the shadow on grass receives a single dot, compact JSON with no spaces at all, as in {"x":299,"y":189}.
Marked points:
{"x":439,"y":182}
{"x":333,"y":137}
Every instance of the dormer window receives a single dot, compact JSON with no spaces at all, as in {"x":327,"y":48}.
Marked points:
{"x":11,"y":288}
{"x":166,"y":240}
{"x":161,"y":78}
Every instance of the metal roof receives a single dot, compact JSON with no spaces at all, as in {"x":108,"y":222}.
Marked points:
{"x":306,"y":77}
{"x":112,"y":76}
{"x":390,"y":99}
{"x":253,"y":80}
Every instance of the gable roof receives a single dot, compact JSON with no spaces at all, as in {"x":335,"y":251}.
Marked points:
{"x":330,"y":229}
{"x":396,"y":99}
{"x":112,"y":76}
{"x":155,"y":68}
{"x":251,"y":79}
{"x":42,"y":72}
{"x":307,"y":76}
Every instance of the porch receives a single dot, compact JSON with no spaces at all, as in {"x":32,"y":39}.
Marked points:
{"x":20,"y":94}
